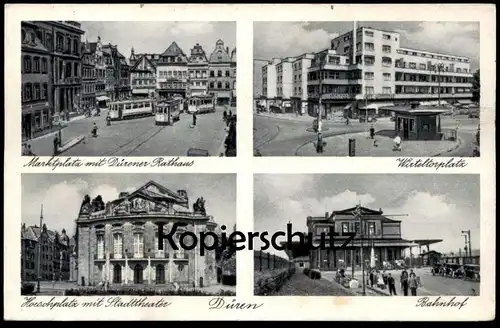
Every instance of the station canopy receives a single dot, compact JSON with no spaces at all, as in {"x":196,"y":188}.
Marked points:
{"x":426,"y":242}
{"x":376,"y":106}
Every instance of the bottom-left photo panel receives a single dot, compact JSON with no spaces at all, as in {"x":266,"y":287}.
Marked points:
{"x":128,"y":234}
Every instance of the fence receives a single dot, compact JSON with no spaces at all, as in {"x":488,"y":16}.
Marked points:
{"x":263,"y":261}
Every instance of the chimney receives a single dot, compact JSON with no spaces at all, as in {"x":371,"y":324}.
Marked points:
{"x":227,"y":50}
{"x":327,"y":215}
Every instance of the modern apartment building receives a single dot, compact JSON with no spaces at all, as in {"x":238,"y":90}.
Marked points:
{"x":269,"y":83}
{"x":299,"y":83}
{"x":284,"y":83}
{"x":368,"y":68}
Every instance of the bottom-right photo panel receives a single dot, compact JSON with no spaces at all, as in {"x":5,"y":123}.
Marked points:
{"x":367,"y":235}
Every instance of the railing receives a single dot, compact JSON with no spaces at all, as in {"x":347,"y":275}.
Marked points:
{"x":265,"y":261}
{"x":184,"y":256}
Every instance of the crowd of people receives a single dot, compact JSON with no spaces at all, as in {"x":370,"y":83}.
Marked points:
{"x":409,"y":282}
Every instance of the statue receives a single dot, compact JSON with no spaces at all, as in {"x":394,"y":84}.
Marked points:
{"x":196,"y":207}
{"x":85,"y":208}
{"x":98,"y":204}
{"x":199,"y":206}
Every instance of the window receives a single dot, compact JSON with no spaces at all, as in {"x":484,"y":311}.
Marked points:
{"x":36,"y":91}
{"x":422,"y":66}
{"x":68,"y":69}
{"x":211,"y":85}
{"x":369,"y":33}
{"x":386,"y":90}
{"x":369,"y":90}
{"x":369,"y":60}
{"x":44,"y":91}
{"x":138,"y":245}
{"x":357,"y":227}
{"x":75,"y":47}
{"x":27,"y":92}
{"x":334,"y":60}
{"x":117,"y":245}
{"x":386,"y":49}
{"x":369,"y":75}
{"x":346,"y":49}
{"x":27,"y":64}
{"x":358,"y":46}
{"x":100,"y":247}
{"x":219,"y":73}
{"x":371,"y":228}
{"x":413,"y":65}
{"x":369,"y":46}
{"x":386,"y":36}
{"x":227,"y":73}
{"x":36,"y":65}
{"x":228,"y":85}
{"x":345,"y":227}
{"x":219,"y":85}
{"x":386,"y":61}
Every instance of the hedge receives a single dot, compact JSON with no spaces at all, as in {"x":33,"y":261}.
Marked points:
{"x":92,"y":291}
{"x":313,"y":274}
{"x":27,"y":288}
{"x":268,"y":285}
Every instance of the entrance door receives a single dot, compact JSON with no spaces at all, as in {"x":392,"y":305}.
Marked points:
{"x":117,"y":274}
{"x":160,"y":274}
{"x":26,"y":126}
{"x":406,"y":129}
{"x":138,"y":274}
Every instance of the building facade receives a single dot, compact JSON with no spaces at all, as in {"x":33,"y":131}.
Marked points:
{"x":269,"y":88}
{"x":234,"y":65}
{"x":63,"y":40}
{"x":172,"y":72}
{"x":118,"y":241}
{"x":379,"y":236}
{"x":299,"y":84}
{"x":197,"y":71}
{"x":284,"y":84}
{"x":100,"y":70}
{"x":36,"y":81}
{"x":54,"y":254}
{"x":110,"y":76}
{"x":220,"y":80}
{"x":89,"y":79}
{"x":142,"y":76}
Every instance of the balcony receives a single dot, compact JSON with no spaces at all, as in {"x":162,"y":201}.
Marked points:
{"x":69,"y":80}
{"x":178,"y":256}
{"x":429,"y":72}
{"x":431,"y":95}
{"x":333,"y":96}
{"x":336,"y":82}
{"x":434,"y":84}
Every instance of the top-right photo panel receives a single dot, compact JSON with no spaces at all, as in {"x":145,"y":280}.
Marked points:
{"x":376,"y":89}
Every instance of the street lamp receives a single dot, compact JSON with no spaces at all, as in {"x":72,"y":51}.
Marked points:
{"x":357,"y":214}
{"x":39,"y":251}
{"x":466,"y":234}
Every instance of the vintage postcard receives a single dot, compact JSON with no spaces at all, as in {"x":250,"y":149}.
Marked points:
{"x":361,"y":174}
{"x":393,"y":88}
{"x":97,"y":88}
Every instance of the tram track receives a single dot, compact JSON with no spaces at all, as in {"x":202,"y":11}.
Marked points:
{"x":146,"y":140}
{"x":114,"y":151}
{"x":268,"y":140}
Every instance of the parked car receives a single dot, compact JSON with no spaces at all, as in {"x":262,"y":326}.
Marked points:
{"x":453,"y":270}
{"x":472,"y":272}
{"x":436,"y":269}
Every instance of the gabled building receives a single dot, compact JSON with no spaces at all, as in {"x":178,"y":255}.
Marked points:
{"x":197,"y":71}
{"x":89,"y":78}
{"x":122,"y":75}
{"x":142,"y":75}
{"x":110,"y":78}
{"x":233,"y":74}
{"x":221,"y":80}
{"x":118,"y":240}
{"x":172,"y":72}
{"x":54,"y":256}
{"x":100,"y":70}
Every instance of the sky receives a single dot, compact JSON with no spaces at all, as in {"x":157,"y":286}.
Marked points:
{"x":438,"y":206}
{"x":283,"y":39}
{"x":62,"y":194}
{"x":155,"y":37}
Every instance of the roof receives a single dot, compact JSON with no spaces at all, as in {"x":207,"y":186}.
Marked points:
{"x":173,"y":50}
{"x":33,"y":233}
{"x":421,"y":110}
{"x":140,"y":59}
{"x":426,"y":242}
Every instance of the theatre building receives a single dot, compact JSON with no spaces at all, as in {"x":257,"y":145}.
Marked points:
{"x":117,"y":241}
{"x":380,"y":238}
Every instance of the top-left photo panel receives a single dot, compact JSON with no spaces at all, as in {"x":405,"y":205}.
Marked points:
{"x":128,"y":88}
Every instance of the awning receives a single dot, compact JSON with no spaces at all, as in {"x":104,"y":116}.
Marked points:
{"x":140,"y":91}
{"x":376,"y":106}
{"x":348,"y":106}
{"x":465,"y":101}
{"x":102,"y":98}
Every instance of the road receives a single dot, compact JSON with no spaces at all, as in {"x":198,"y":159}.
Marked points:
{"x":140,"y":137}
{"x":281,"y":137}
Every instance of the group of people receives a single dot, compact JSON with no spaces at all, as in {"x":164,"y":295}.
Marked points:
{"x":408,"y":281}
{"x":230,"y":142}
{"x":26,"y":150}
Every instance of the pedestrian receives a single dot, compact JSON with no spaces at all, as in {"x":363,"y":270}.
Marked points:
{"x":372,"y":278}
{"x":230,"y":113}
{"x":372,"y":131}
{"x":56,"y":145}
{"x":384,"y":278}
{"x":404,"y":282}
{"x":224,"y":116}
{"x":397,"y":143}
{"x":24,"y":150}
{"x":29,"y":151}
{"x":194,"y":118}
{"x":413,"y":283}
{"x":319,"y":144}
{"x":392,"y":285}
{"x":473,"y":292}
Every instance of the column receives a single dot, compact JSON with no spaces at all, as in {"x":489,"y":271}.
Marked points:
{"x":149,"y":270}
{"x":126,"y":269}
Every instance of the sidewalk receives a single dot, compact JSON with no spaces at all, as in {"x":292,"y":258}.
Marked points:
{"x":378,"y":147}
{"x":288,"y":117}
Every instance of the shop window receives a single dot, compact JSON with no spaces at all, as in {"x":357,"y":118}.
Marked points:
{"x":27,"y":64}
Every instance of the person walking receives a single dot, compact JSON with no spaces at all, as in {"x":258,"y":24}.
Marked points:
{"x":319,"y":144}
{"x":397,"y":143}
{"x":413,"y":283}
{"x":404,"y":282}
{"x":372,"y":131}
{"x":194,"y":119}
{"x":56,"y":145}
{"x":392,"y":285}
{"x":372,"y":278}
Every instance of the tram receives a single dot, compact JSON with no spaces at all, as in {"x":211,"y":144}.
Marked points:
{"x":201,"y":104}
{"x":127,"y":109}
{"x":168,"y":111}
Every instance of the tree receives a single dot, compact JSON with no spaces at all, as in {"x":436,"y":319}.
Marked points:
{"x":476,"y":86}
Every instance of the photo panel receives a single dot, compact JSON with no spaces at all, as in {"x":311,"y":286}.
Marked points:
{"x":100,"y":88}
{"x":377,"y":89}
{"x":367,"y":235}
{"x":100,"y":234}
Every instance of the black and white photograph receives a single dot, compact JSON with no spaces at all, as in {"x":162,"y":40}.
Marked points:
{"x":370,"y":89}
{"x":128,"y":88}
{"x":98,"y":234}
{"x":413,"y":234}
